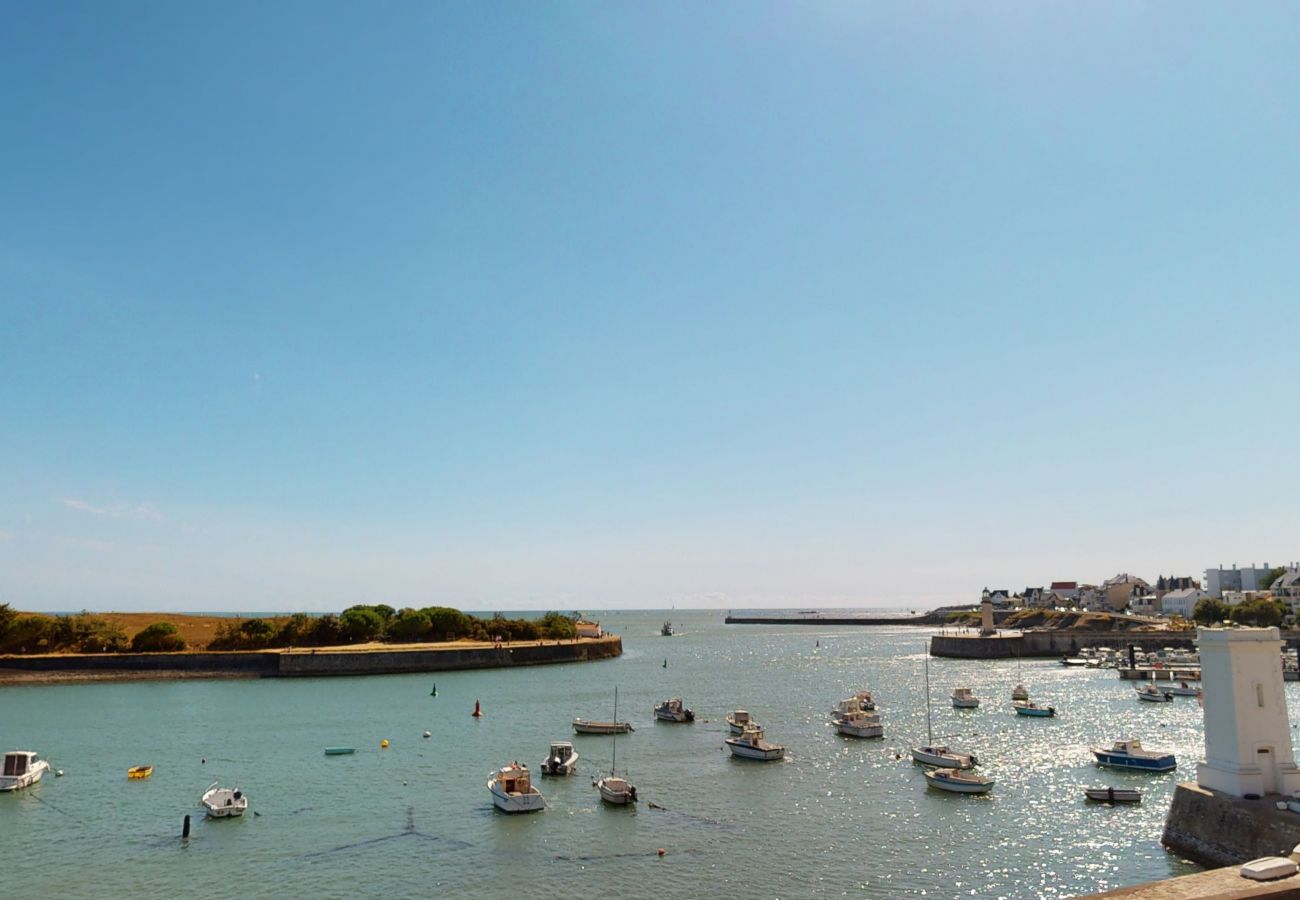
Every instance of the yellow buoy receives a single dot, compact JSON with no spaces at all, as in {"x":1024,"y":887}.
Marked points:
{"x":384,"y":743}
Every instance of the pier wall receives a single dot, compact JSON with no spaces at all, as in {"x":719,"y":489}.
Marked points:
{"x":1216,"y":829}
{"x":309,"y":663}
{"x":1049,"y":643}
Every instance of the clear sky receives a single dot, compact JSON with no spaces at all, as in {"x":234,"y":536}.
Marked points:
{"x":557,"y":305}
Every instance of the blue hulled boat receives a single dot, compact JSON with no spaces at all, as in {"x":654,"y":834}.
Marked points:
{"x":1132,"y":755}
{"x":1033,"y":709}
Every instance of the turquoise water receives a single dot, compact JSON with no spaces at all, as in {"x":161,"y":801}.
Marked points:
{"x":838,"y":817}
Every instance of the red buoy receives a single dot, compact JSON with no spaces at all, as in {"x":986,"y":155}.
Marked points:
{"x":478,"y":713}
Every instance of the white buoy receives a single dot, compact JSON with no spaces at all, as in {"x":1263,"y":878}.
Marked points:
{"x":428,"y":734}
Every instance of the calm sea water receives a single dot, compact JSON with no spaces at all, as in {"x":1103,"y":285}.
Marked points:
{"x":839,"y":817}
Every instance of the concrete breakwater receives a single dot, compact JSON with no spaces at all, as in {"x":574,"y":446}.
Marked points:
{"x":315,"y":662}
{"x":1050,"y":643}
{"x":1216,"y":829}
{"x":827,"y":620}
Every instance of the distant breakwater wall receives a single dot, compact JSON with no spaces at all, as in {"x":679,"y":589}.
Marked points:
{"x":826,"y":620}
{"x":308,"y":663}
{"x":1049,"y":643}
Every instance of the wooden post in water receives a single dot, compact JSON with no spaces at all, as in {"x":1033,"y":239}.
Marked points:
{"x":185,"y":828}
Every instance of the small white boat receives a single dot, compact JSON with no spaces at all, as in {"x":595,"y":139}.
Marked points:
{"x":964,"y":698}
{"x":751,"y":745}
{"x":22,"y":768}
{"x":616,"y":790}
{"x":223,"y":803}
{"x":1182,"y":689}
{"x":1113,"y":795}
{"x":1019,"y":693}
{"x":944,"y":757}
{"x":958,"y":782}
{"x":673,"y":710}
{"x":587,"y":726}
{"x":562,"y":760}
{"x":736,"y":721}
{"x":860,"y":724}
{"x":1152,"y":694}
{"x":513,"y":792}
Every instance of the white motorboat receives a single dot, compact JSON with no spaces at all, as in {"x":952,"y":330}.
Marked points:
{"x":964,"y":698}
{"x":958,"y":782}
{"x":858,"y":723}
{"x":751,"y":745}
{"x":562,"y":760}
{"x":614,"y":788}
{"x":1182,"y":689}
{"x":223,"y":803}
{"x":1153,"y":694}
{"x":22,"y":768}
{"x":938,"y":754}
{"x":1132,"y":755}
{"x":512,"y":790}
{"x":736,"y":721}
{"x":673,"y":710}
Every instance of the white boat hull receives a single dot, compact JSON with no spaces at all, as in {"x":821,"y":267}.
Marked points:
{"x":516,"y":803}
{"x":18,"y":782}
{"x":957,"y":785}
{"x":585,"y":726}
{"x":568,"y":767}
{"x":943,"y":758}
{"x":616,"y":791}
{"x":1154,"y":698}
{"x":848,"y":729}
{"x":972,"y":703}
{"x":224,"y":803}
{"x":763,"y":752}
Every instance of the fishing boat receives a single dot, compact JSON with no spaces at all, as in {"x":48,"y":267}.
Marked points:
{"x":958,"y":782}
{"x":673,"y":710}
{"x":1019,"y":694}
{"x":512,"y":790}
{"x":751,"y":745}
{"x":866,"y":700}
{"x":1113,"y":795}
{"x":860,"y":724}
{"x":1132,"y":755}
{"x":964,"y":698}
{"x":615,"y":789}
{"x":139,"y":773}
{"x":223,"y":803}
{"x":562,"y":760}
{"x":340,"y":751}
{"x":1152,"y":694}
{"x":736,"y":721}
{"x":933,"y":754}
{"x":22,"y":768}
{"x":587,"y":726}
{"x":1026,"y":708}
{"x":1182,"y":689}
{"x":666,"y":630}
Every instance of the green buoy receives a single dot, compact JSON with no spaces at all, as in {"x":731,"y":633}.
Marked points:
{"x":434,"y":692}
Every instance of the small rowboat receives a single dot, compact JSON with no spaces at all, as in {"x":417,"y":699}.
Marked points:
{"x":138,"y":773}
{"x":1113,"y":795}
{"x":586,"y":726}
{"x":340,"y":751}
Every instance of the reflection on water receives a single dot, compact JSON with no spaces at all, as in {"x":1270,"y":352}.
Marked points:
{"x":837,"y":816}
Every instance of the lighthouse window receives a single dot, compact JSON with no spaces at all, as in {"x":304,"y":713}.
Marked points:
{"x":1259,"y":694}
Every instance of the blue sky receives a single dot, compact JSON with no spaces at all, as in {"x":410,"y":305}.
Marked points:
{"x":511,"y":305}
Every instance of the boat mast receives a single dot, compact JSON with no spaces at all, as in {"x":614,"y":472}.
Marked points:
{"x":614,"y":736}
{"x":929,"y":737}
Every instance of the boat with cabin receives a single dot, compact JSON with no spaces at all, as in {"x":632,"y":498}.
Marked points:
{"x":860,"y":724}
{"x":513,"y":791}
{"x":1027,"y":708}
{"x":673,"y":710}
{"x":964,"y":698}
{"x":737,"y":720}
{"x":1152,"y":694}
{"x":666,"y":630}
{"x":223,"y":803}
{"x":751,"y":744}
{"x":22,"y":768}
{"x":1132,"y":755}
{"x":562,"y":760}
{"x":958,"y":782}
{"x":1019,"y":694}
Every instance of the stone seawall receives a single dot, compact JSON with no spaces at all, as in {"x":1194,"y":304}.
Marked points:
{"x":1048,"y":643}
{"x":389,"y":662}
{"x":1216,"y":829}
{"x":307,"y":663}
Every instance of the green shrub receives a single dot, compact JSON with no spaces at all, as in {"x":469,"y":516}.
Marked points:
{"x":360,"y":624}
{"x":409,"y":625}
{"x":160,"y":637}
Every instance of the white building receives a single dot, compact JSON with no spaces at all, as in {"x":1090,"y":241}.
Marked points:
{"x":1247,"y":732}
{"x":1245,"y":579}
{"x":1287,"y":587}
{"x":1066,"y":590}
{"x":1181,"y":603}
{"x":587,"y":629}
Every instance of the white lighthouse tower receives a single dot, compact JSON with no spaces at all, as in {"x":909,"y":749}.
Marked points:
{"x":1247,"y":732}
